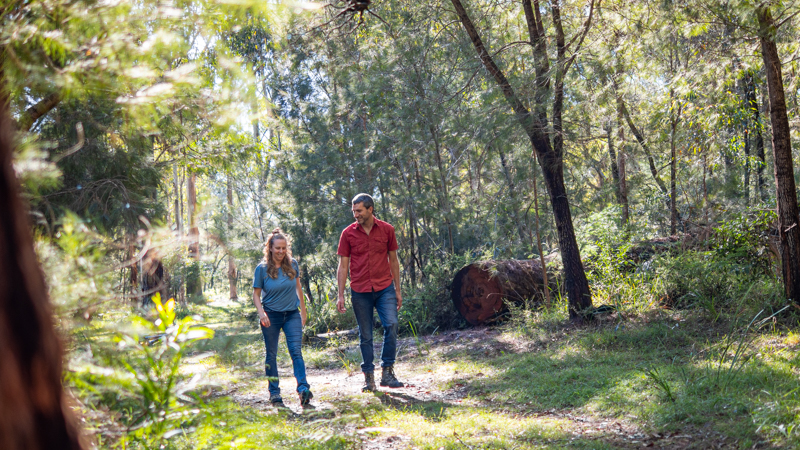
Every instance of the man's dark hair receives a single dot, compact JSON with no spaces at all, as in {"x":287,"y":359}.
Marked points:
{"x":365,"y":199}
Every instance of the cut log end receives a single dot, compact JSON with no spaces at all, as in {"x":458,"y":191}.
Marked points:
{"x":481,"y":290}
{"x":476,"y":295}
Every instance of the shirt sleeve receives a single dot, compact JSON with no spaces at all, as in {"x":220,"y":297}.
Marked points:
{"x":258,"y":277}
{"x":296,"y":267}
{"x":344,"y":245}
{"x":392,"y":244}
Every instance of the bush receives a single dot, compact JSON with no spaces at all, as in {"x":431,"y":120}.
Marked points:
{"x":429,"y":306}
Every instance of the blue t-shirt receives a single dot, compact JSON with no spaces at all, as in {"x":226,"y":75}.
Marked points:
{"x":278,"y":294}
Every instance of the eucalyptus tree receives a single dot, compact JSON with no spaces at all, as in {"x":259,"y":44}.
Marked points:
{"x":546,"y":133}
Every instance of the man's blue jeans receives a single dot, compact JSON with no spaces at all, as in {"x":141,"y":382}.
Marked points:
{"x":292,"y":326}
{"x":385,"y":302}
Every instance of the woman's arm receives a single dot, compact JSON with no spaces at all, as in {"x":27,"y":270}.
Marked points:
{"x":302,"y":298}
{"x":262,"y":316}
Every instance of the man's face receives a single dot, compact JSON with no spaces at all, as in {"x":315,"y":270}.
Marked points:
{"x":361,"y":214}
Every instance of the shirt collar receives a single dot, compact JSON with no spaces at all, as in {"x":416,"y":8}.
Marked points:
{"x":374,"y":225}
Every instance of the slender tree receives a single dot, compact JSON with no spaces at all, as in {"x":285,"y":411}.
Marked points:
{"x":548,"y":147}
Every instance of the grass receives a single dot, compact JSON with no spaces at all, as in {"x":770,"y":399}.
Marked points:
{"x":535,"y":382}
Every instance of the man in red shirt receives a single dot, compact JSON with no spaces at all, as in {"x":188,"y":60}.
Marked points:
{"x":368,"y":248}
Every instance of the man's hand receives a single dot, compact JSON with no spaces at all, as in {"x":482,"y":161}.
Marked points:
{"x":399,"y":299}
{"x":340,"y":305}
{"x":264,"y":320}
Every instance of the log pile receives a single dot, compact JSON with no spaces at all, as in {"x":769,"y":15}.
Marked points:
{"x":482,"y":290}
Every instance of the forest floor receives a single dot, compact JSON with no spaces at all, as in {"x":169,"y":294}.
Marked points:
{"x":649,"y":382}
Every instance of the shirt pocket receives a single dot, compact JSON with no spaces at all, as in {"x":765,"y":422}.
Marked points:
{"x":380,"y":244}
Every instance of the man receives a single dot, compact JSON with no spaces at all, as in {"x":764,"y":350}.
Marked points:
{"x":368,"y":248}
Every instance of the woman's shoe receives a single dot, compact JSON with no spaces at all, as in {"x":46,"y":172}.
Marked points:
{"x":276,"y":400}
{"x":305,"y":397}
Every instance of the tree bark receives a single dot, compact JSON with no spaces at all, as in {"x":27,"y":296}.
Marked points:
{"x":550,"y":156}
{"x":512,"y":192}
{"x":231,"y":260}
{"x":612,"y":155}
{"x":33,"y":409}
{"x":36,"y":111}
{"x":194,"y":285}
{"x":674,"y":119}
{"x":786,"y":196}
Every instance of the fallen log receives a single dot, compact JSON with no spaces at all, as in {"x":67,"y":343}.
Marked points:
{"x":482,"y":290}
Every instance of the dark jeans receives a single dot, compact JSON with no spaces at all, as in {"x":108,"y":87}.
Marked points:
{"x":292,"y":326}
{"x":385,"y":302}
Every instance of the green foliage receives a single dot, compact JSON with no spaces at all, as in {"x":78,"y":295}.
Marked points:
{"x":430,"y":305}
{"x":158,"y":400}
{"x":745,"y":240}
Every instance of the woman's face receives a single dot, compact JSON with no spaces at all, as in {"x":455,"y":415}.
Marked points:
{"x":278,"y":250}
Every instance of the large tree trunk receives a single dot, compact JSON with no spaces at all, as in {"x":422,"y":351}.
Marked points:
{"x":535,"y":125}
{"x":786,"y":196}
{"x":33,"y":410}
{"x":231,"y":260}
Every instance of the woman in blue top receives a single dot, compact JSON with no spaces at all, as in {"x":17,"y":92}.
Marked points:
{"x":277,"y":295}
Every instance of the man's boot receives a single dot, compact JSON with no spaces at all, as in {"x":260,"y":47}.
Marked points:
{"x":388,"y":379}
{"x":369,"y":382}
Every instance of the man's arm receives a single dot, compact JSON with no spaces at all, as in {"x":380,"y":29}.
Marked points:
{"x":394,"y":266}
{"x":341,"y":279}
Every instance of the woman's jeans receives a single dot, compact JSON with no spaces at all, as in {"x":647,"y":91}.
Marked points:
{"x":385,"y":302}
{"x":292,"y":326}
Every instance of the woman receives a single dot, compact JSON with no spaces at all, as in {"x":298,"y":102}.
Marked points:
{"x":277,"y":295}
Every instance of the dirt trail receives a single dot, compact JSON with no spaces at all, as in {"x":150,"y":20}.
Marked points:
{"x":334,"y":388}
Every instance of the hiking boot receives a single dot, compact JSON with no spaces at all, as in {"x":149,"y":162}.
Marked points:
{"x":276,"y":400}
{"x":369,"y":382}
{"x":305,"y":397}
{"x":388,"y":379}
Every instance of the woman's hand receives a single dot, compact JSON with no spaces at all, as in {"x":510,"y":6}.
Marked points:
{"x":303,"y":316}
{"x":264,"y":320}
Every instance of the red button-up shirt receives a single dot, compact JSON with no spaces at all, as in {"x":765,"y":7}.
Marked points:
{"x":369,"y":255}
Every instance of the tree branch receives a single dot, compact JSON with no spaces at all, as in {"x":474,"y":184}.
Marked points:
{"x":38,"y":110}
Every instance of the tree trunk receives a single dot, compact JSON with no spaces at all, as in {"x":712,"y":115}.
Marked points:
{"x":786,"y":196}
{"x":642,"y":142}
{"x":194,"y":284}
{"x":33,"y":410}
{"x":550,"y":156}
{"x":445,"y":194}
{"x":612,"y":155}
{"x":673,"y":166}
{"x":177,"y":183}
{"x":623,"y":183}
{"x":512,"y":193}
{"x":539,"y":239}
{"x":231,"y":260}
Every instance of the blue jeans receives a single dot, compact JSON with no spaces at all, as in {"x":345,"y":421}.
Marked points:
{"x":292,"y":326}
{"x":385,"y":302}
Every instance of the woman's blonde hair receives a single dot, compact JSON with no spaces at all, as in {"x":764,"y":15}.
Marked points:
{"x":286,"y":265}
